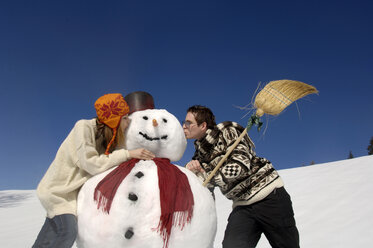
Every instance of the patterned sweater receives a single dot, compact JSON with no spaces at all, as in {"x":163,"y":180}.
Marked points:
{"x":243,"y":177}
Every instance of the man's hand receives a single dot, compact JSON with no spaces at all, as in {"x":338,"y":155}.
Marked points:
{"x":194,"y":166}
{"x":141,"y":153}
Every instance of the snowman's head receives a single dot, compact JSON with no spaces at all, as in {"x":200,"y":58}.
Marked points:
{"x":157,"y":131}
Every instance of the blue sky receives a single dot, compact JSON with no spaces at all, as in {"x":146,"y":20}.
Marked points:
{"x":58,"y":57}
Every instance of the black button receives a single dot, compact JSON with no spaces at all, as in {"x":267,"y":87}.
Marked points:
{"x":132,"y":197}
{"x":129,"y":233}
{"x":139,"y":174}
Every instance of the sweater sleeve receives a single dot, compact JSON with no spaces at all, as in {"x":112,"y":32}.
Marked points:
{"x":88,"y":157}
{"x":238,"y":162}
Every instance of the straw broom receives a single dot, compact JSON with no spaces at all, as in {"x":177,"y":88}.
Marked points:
{"x":272,"y":100}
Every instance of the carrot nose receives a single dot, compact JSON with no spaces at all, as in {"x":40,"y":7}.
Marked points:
{"x":155,"y":123}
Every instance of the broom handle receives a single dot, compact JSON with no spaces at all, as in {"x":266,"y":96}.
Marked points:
{"x":225,"y":157}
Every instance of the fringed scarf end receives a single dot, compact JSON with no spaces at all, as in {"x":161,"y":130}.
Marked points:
{"x":102,"y":202}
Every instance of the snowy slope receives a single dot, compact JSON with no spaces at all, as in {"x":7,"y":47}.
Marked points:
{"x":332,"y":204}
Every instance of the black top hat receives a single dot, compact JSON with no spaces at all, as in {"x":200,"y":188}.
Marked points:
{"x":139,"y":100}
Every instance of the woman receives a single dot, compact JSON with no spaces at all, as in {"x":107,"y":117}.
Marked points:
{"x":92,"y":146}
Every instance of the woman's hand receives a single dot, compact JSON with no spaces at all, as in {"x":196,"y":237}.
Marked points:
{"x":194,"y":166}
{"x":141,"y":153}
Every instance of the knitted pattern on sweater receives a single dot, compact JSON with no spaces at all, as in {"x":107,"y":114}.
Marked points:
{"x":244,"y":177}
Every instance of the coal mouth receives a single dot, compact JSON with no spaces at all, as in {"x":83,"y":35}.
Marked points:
{"x":151,"y":139}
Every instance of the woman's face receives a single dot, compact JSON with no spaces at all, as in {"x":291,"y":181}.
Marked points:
{"x":125,"y":122}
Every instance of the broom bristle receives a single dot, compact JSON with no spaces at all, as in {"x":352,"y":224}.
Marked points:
{"x":279,"y":94}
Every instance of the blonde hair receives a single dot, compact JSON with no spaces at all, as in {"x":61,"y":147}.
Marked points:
{"x":103,"y":136}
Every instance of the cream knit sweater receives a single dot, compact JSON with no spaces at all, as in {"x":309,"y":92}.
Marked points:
{"x":76,"y":161}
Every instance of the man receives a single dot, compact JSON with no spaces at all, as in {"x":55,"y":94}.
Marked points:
{"x":260,"y":202}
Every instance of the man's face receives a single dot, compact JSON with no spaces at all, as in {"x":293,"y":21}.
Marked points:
{"x":191,"y":129}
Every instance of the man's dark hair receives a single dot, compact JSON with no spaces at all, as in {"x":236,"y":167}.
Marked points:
{"x":203,"y":114}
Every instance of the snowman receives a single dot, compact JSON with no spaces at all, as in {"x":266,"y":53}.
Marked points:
{"x":147,"y":203}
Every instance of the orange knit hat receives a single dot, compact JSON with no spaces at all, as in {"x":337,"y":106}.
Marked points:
{"x":110,"y":109}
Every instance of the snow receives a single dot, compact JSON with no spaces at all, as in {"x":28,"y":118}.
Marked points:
{"x":332,"y":204}
{"x":98,"y":229}
{"x":173,"y":143}
{"x":160,"y":132}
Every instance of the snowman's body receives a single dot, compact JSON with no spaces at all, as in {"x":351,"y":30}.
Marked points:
{"x":135,"y":211}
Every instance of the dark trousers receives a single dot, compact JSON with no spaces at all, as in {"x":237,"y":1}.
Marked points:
{"x":58,"y":232}
{"x":273,"y":216}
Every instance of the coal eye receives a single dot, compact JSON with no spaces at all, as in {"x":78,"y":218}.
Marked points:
{"x":165,"y":120}
{"x":145,"y":117}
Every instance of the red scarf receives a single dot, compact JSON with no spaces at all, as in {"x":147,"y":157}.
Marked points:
{"x":174,"y":192}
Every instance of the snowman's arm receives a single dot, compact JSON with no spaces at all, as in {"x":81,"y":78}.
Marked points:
{"x":88,"y":157}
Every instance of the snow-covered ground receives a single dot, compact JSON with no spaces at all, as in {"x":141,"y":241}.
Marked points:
{"x":332,"y":203}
